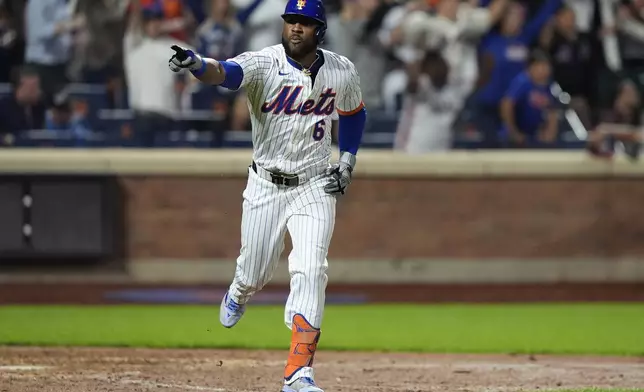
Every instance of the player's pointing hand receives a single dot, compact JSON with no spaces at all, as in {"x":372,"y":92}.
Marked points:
{"x":184,"y":59}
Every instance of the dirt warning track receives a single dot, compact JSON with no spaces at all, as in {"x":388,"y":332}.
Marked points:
{"x":125,"y":369}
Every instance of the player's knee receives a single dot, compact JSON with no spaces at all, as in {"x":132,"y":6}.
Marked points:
{"x":249,"y":283}
{"x":319,"y":273}
{"x":314,"y":275}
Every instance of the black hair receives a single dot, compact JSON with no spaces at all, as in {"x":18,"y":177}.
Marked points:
{"x":18,"y":73}
{"x":538,"y":56}
{"x":440,"y":70}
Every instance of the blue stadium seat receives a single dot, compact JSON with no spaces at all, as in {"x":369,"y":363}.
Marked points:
{"x":381,"y":122}
{"x":90,"y":98}
{"x":467,"y":139}
{"x":379,"y":140}
{"x":202,"y":98}
{"x":185,"y":139}
{"x":117,"y":126}
{"x":45,"y":138}
{"x":5,"y":90}
{"x":237,"y":139}
{"x":197,"y":128}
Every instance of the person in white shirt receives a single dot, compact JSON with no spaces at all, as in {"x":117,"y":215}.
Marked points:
{"x":455,"y":31}
{"x":435,"y":96}
{"x":152,"y":91}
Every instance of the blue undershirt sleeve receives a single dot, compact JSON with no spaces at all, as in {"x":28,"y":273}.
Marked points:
{"x":350,"y":130}
{"x":234,"y":75}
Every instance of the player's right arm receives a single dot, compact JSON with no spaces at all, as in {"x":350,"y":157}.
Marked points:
{"x":231,"y":74}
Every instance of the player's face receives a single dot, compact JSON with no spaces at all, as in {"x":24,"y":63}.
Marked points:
{"x":298,"y":36}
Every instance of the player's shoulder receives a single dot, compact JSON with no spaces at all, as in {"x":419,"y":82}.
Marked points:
{"x":264,"y":58}
{"x":267,"y":52}
{"x":273,"y":52}
{"x":337,"y":62}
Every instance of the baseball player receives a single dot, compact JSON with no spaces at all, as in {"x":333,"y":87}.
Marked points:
{"x":293,"y":90}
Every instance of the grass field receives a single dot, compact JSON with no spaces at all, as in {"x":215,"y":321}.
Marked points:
{"x":607,"y":329}
{"x":601,"y":390}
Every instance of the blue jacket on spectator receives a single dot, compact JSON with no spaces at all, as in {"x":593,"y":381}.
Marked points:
{"x":509,"y":54}
{"x":531,"y":104}
{"x":73,"y":123}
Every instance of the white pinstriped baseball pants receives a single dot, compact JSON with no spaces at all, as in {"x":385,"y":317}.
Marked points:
{"x":308,"y":213}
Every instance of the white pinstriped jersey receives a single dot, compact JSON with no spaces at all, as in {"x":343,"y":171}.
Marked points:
{"x":291,"y":114}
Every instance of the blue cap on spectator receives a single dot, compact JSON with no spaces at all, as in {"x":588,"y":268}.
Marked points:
{"x":153,"y":11}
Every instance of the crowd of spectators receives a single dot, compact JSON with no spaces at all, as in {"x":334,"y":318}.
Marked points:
{"x":513,"y":73}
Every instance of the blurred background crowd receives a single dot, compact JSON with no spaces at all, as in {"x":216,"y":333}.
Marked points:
{"x":436,"y":74}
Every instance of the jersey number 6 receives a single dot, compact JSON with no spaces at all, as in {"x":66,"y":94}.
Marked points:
{"x":318,"y":131}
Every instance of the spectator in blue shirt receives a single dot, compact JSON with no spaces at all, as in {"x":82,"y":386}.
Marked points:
{"x":528,"y":108}
{"x":504,"y":54}
{"x":61,"y":118}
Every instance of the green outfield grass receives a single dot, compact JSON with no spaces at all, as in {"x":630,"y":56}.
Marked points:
{"x":531,"y":328}
{"x":601,"y":390}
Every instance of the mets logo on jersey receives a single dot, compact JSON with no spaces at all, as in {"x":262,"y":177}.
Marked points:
{"x":285,"y":102}
{"x":301,"y":4}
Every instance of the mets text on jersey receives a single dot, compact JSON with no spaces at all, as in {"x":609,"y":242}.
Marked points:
{"x":288,"y":95}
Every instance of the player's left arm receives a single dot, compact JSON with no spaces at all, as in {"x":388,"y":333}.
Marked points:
{"x":351,"y":124}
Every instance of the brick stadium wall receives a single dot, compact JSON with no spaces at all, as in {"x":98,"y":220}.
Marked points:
{"x":458,"y":218}
{"x":193,"y":218}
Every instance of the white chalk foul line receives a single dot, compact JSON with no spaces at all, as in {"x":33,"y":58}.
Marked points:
{"x":22,"y":368}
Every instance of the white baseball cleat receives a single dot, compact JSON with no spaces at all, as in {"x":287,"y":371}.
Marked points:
{"x":302,"y":384}
{"x":230,"y":312}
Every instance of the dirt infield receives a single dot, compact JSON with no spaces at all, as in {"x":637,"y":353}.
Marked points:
{"x":121,"y":369}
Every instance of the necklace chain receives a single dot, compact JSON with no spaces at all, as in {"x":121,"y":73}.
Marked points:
{"x":307,"y":71}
